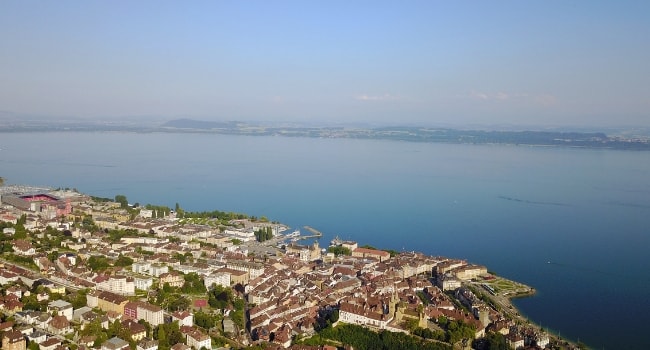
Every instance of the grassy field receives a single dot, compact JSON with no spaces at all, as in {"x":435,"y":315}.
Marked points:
{"x":507,"y":288}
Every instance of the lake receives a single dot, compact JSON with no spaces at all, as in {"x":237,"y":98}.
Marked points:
{"x":572,"y":223}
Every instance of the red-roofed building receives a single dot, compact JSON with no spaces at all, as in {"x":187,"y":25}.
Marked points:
{"x":7,"y":276}
{"x":13,"y":340}
{"x":59,"y":325}
{"x":50,"y":344}
{"x":371,"y":253}
{"x":196,"y":338}
{"x":184,"y":318}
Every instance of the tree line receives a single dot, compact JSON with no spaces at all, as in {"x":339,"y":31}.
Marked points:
{"x":264,"y":234}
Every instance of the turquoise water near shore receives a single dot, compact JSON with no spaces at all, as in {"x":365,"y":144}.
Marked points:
{"x":511,"y":208}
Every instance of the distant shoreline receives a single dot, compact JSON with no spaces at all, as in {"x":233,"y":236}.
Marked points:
{"x":581,"y":140}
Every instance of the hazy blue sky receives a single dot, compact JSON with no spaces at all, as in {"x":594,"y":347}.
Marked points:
{"x":427,"y":62}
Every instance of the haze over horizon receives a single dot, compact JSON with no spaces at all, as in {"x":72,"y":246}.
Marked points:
{"x":435,"y":63}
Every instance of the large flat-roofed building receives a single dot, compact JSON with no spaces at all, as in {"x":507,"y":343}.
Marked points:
{"x":469,"y":272}
{"x":371,"y":253}
{"x":122,"y":285}
{"x":106,"y":301}
{"x":253,"y":269}
{"x":140,"y":310}
{"x":39,"y":202}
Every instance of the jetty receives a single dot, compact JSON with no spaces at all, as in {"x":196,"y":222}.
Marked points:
{"x":314,"y":233}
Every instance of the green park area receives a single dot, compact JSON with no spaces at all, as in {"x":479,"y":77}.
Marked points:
{"x":505,"y":287}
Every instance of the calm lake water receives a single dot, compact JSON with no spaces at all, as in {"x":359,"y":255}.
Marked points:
{"x":573,"y":223}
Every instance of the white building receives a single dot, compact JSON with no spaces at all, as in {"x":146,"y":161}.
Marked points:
{"x":253,"y":269}
{"x":243,"y":235}
{"x":448,"y":282}
{"x":218,"y":278}
{"x":143,"y":283}
{"x":141,"y":267}
{"x":146,"y":213}
{"x":158,"y":269}
{"x":7,"y":276}
{"x":61,"y":307}
{"x":196,"y":339}
{"x":184,"y":318}
{"x":542,"y":340}
{"x":119,"y":285}
{"x":151,"y":313}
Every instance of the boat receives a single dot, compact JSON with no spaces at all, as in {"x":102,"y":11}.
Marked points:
{"x":295,"y":233}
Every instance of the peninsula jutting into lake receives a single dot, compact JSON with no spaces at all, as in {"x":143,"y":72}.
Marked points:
{"x":84,"y":271}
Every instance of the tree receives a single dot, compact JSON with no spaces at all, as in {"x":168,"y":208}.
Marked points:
{"x":179,"y":303}
{"x":205,"y":320}
{"x":147,"y":326}
{"x":167,"y":334}
{"x":98,"y":263}
{"x":31,"y":303}
{"x":193,"y":284}
{"x":237,"y":315}
{"x":338,"y":250}
{"x":88,"y":224}
{"x":363,"y":338}
{"x":123,"y":261}
{"x":161,"y":336}
{"x":219,"y":297}
{"x":495,"y":341}
{"x":79,"y":299}
{"x":457,"y":330}
{"x":33,"y":346}
{"x":124,"y":203}
{"x":53,"y":255}
{"x":95,"y":328}
{"x":335,"y":316}
{"x":264,"y":234}
{"x":180,"y":257}
{"x":2,"y":183}
{"x":411,"y":324}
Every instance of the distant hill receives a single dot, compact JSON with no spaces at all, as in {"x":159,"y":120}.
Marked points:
{"x":198,"y":124}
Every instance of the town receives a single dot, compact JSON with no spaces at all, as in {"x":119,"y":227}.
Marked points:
{"x":80,"y":272}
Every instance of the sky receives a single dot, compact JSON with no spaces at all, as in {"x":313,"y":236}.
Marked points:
{"x":544,"y":63}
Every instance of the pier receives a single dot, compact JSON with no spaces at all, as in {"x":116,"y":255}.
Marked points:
{"x":314,"y":233}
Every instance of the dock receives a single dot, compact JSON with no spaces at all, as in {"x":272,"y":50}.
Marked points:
{"x":314,"y":233}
